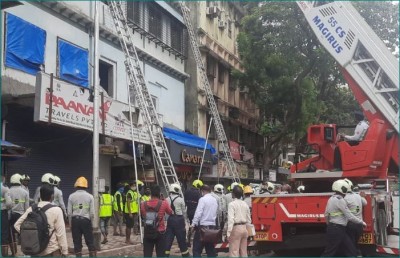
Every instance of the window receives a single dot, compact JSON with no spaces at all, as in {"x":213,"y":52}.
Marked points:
{"x":221,"y":73}
{"x":72,"y":63}
{"x":106,"y":74}
{"x":133,"y":12}
{"x":154,"y":99}
{"x":25,"y":45}
{"x":155,"y":22}
{"x":211,"y":67}
{"x":176,"y":36}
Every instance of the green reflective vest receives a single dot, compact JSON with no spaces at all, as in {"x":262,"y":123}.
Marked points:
{"x":134,"y":205}
{"x":121,"y":203}
{"x":145,"y":198}
{"x":105,"y":205}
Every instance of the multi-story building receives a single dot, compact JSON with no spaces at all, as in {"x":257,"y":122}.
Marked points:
{"x":217,"y":25}
{"x":47,"y":77}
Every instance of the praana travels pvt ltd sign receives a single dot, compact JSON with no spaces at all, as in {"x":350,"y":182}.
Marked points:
{"x":70,"y":106}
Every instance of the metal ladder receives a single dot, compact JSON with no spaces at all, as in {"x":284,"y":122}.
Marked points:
{"x":223,"y":141}
{"x":138,"y":89}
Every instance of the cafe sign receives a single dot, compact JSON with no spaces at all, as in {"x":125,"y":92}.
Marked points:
{"x":69,"y":105}
{"x":186,"y":155}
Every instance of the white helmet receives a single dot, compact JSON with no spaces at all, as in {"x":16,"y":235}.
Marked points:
{"x":340,"y":186}
{"x":57,"y":180}
{"x":349,"y":184}
{"x":270,"y":187}
{"x":48,"y":178}
{"x":218,"y":188}
{"x":16,"y":179}
{"x":233,"y":185}
{"x":175,"y":188}
{"x":25,"y":177}
{"x":301,"y":189}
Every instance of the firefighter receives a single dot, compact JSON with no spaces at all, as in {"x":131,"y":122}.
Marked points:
{"x":58,"y":195}
{"x":81,"y":214}
{"x":105,"y":212}
{"x":6,"y":205}
{"x":25,"y":182}
{"x":192,"y":196}
{"x":131,"y":211}
{"x":47,"y":178}
{"x":20,"y":203}
{"x":337,"y":215}
{"x":176,"y":221}
{"x":267,"y":188}
{"x":118,"y":207}
{"x":355,"y":203}
{"x":248,"y":191}
{"x":222,"y":206}
{"x":228,"y":196}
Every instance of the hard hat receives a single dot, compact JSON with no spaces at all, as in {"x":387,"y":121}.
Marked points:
{"x":48,"y":178}
{"x":340,"y":186}
{"x":57,"y":180}
{"x":289,"y":163}
{"x":15,"y":179}
{"x":241,"y":186}
{"x":301,"y":189}
{"x":197,"y":183}
{"x":139,"y":183}
{"x":248,"y":189}
{"x":229,"y":189}
{"x":81,"y":182}
{"x":233,"y":185}
{"x":270,"y":187}
{"x":350,"y":185}
{"x":25,"y":177}
{"x":175,"y":188}
{"x":218,"y":188}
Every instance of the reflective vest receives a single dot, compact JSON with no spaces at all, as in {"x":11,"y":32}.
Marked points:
{"x":106,"y":205}
{"x":145,"y":198}
{"x":134,"y":202}
{"x":121,"y":203}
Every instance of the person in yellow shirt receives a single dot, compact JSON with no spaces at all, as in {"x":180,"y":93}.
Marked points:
{"x":105,"y":213}
{"x":131,"y":210}
{"x":147,"y":194}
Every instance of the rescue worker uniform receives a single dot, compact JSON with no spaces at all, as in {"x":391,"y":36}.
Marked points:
{"x":131,"y":222}
{"x":81,"y":214}
{"x":20,"y":203}
{"x":176,"y":225}
{"x":105,"y":214}
{"x":192,"y":196}
{"x":145,"y":198}
{"x":59,"y":200}
{"x":118,"y":207}
{"x":337,"y":214}
{"x":222,"y":209}
{"x":6,"y":204}
{"x":355,"y":204}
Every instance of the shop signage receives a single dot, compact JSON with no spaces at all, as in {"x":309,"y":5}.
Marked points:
{"x":186,"y":155}
{"x":147,"y":175}
{"x":70,"y":106}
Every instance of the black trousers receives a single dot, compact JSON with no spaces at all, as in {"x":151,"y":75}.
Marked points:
{"x":13,"y":218}
{"x":158,"y":243}
{"x":5,"y":228}
{"x":354,"y":231}
{"x":338,"y":241}
{"x":198,"y":246}
{"x":82,"y":226}
{"x":176,"y":227}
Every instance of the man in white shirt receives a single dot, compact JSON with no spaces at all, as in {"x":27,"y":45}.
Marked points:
{"x":205,"y":216}
{"x":58,"y":245}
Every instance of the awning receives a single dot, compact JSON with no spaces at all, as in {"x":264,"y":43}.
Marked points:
{"x":10,"y":151}
{"x":187,"y":139}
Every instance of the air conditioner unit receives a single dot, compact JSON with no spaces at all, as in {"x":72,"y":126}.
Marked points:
{"x":221,"y":24}
{"x":242,"y":149}
{"x":212,"y":11}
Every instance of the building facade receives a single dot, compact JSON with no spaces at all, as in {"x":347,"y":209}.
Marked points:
{"x":218,"y":25}
{"x":47,"y":79}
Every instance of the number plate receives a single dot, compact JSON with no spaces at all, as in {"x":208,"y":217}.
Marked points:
{"x":366,"y":239}
{"x":261,"y":236}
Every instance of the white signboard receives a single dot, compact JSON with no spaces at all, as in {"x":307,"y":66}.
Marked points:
{"x":70,"y":106}
{"x":272,"y":175}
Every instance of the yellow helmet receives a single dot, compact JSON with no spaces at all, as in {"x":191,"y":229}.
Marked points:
{"x":229,"y":188}
{"x":139,"y":183}
{"x":248,"y":190}
{"x":81,"y":182}
{"x":241,"y":186}
{"x":197,"y":183}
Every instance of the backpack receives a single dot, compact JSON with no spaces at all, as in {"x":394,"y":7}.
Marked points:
{"x":151,"y":221}
{"x":34,"y":231}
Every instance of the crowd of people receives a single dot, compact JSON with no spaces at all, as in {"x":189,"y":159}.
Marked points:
{"x":201,"y":208}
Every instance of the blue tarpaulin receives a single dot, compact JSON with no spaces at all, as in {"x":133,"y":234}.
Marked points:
{"x":25,"y":45}
{"x":187,"y":139}
{"x":74,"y":63}
{"x":11,"y":151}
